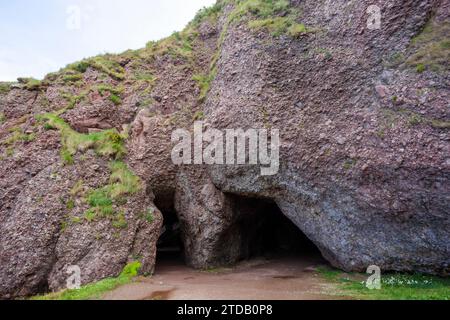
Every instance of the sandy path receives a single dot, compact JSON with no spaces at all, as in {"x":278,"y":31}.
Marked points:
{"x":281,"y":279}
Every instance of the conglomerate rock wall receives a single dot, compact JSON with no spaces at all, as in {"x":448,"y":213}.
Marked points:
{"x":363,"y":117}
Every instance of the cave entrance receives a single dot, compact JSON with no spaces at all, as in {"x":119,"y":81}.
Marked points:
{"x":258,"y":230}
{"x":170,"y":248}
{"x":264,"y":231}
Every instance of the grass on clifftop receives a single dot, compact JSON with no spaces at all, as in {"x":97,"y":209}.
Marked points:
{"x":5,"y":87}
{"x":30,"y":83}
{"x":178,"y":45}
{"x":276,"y":16}
{"x":278,"y":26}
{"x":106,"y":143}
{"x":107,"y":64}
{"x":96,"y":290}
{"x":208,"y":13}
{"x":394,"y":286}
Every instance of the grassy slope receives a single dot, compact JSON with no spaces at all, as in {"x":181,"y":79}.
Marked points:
{"x":394,"y":286}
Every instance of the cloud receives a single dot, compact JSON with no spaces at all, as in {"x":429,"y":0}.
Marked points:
{"x":14,"y":64}
{"x":35,"y":47}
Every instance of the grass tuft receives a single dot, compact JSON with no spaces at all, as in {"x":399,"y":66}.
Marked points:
{"x":275,"y":16}
{"x":5,"y":87}
{"x":420,"y":68}
{"x":115,"y":99}
{"x":149,"y":216}
{"x":73,"y":100}
{"x":208,"y":13}
{"x":204,"y":83}
{"x":31,"y":84}
{"x":80,"y":66}
{"x":122,"y":183}
{"x":16,"y":136}
{"x":431,"y":48}
{"x":72,"y":77}
{"x":145,"y":76}
{"x":105,"y":63}
{"x":179,"y":45}
{"x":102,"y":88}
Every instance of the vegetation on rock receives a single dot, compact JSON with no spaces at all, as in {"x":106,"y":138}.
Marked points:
{"x":108,"y":143}
{"x":30,"y":83}
{"x":276,"y":16}
{"x":96,"y":290}
{"x":394,"y":286}
{"x":5,"y":87}
{"x":431,"y":48}
{"x":129,"y":79}
{"x":122,"y":183}
{"x":178,"y":45}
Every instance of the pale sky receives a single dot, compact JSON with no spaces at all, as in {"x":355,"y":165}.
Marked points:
{"x":38,"y":37}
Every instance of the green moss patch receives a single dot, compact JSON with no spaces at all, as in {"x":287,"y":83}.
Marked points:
{"x":391,"y":118}
{"x":275,"y":16}
{"x":80,"y":66}
{"x":431,"y":48}
{"x":96,"y":290}
{"x":114,"y":93}
{"x":208,"y":14}
{"x":17,"y":135}
{"x":115,"y":99}
{"x":122,"y":183}
{"x":178,"y":45}
{"x":149,"y":216}
{"x":5,"y":87}
{"x":107,"y":64}
{"x":108,"y":143}
{"x":30,"y":83}
{"x":204,"y":83}
{"x":73,"y":100}
{"x":102,"y":88}
{"x":72,"y":77}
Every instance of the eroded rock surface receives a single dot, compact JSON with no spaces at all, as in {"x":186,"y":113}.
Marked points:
{"x":363,"y":117}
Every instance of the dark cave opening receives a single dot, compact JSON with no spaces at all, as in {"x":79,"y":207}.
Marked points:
{"x":258,"y":229}
{"x":170,"y":244}
{"x":264,"y":231}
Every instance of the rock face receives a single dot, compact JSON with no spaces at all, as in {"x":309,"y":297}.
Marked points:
{"x":363,"y":117}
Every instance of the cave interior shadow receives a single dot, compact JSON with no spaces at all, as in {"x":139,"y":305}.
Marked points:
{"x":263,"y":232}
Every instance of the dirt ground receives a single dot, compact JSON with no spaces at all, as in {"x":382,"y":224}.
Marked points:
{"x":258,"y":279}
